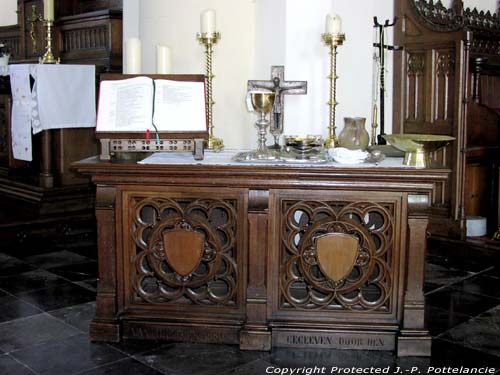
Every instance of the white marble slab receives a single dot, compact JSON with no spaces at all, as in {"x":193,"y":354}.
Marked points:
{"x":225,"y":158}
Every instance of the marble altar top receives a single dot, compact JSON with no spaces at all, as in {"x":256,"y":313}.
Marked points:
{"x":225,"y":158}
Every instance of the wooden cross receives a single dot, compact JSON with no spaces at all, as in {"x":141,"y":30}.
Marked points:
{"x":281,"y":88}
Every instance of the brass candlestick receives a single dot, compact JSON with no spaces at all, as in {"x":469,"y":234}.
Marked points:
{"x":374,"y":125}
{"x":332,"y":41}
{"x":209,"y":40}
{"x":48,"y":57}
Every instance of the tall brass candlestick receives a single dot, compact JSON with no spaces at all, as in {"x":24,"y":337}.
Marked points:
{"x":48,"y":57}
{"x":209,"y":40}
{"x":332,"y":41}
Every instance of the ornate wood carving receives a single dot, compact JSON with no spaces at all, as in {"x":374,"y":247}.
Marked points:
{"x":486,"y":46}
{"x":440,"y":18}
{"x":367,"y":284}
{"x":437,"y":16}
{"x":82,"y":39}
{"x":439,"y":99}
{"x":415,"y":67}
{"x":162,"y":273}
{"x":444,"y":85}
{"x":481,"y":21}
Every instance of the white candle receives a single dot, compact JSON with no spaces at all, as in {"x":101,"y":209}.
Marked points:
{"x":133,"y":56}
{"x":207,"y":21}
{"x":333,"y":24}
{"x":163,"y":60}
{"x":48,"y":10}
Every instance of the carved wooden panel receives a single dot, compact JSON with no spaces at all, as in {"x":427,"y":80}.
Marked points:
{"x":309,"y":280}
{"x":83,"y":39}
{"x":184,"y":251}
{"x":490,"y":87}
{"x":10,"y":36}
{"x":415,"y":82}
{"x":430,"y":91}
{"x":444,"y":88}
{"x":447,"y":42}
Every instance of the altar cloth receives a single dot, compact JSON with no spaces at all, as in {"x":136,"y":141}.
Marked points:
{"x":63,"y":96}
{"x":225,"y":158}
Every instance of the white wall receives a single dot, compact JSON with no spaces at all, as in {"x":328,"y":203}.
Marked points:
{"x":8,"y":15}
{"x":131,"y":20}
{"x":307,"y":58}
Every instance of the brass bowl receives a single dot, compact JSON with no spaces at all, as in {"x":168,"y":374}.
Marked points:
{"x":417,"y":147}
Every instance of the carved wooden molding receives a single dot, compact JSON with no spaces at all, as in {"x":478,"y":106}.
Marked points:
{"x":437,"y":16}
{"x":416,"y":63}
{"x":486,"y":46}
{"x":445,"y":63}
{"x":84,"y":39}
{"x":440,"y":18}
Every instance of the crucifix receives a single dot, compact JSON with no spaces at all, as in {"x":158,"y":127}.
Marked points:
{"x":280,"y":87}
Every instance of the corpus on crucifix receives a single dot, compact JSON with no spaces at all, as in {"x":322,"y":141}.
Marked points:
{"x":280,"y":87}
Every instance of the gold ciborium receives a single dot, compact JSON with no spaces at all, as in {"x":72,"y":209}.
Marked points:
{"x":262,"y":103}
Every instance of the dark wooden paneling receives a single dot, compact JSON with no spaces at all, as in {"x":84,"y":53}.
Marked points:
{"x":435,"y":92}
{"x":85,"y":32}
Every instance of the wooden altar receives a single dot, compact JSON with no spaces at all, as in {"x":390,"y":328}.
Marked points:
{"x":263,"y":255}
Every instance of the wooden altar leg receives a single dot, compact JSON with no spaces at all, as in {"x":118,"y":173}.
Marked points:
{"x":255,"y":334}
{"x":105,"y":326}
{"x":414,"y":339}
{"x":46,"y":176}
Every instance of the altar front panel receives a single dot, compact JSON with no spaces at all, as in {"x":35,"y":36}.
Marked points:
{"x":206,"y":304}
{"x":310,"y":291}
{"x":263,"y":255}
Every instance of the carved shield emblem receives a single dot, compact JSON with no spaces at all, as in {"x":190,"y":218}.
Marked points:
{"x":337,"y":253}
{"x":184,"y":249}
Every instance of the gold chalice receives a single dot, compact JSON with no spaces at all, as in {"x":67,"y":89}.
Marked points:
{"x":262,"y":103}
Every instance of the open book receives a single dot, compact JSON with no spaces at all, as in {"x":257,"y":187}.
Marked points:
{"x":140,"y":104}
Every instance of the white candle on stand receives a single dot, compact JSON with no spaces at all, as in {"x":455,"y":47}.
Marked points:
{"x":133,"y":56}
{"x":163,"y":60}
{"x":333,"y":24}
{"x":207,"y":21}
{"x":48,"y":10}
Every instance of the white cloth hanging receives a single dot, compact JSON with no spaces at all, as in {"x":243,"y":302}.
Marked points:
{"x":63,"y":96}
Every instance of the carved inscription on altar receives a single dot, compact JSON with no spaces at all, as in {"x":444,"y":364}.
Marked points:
{"x":180,"y":333}
{"x":185,"y":251}
{"x":337,"y":255}
{"x":334,"y":340}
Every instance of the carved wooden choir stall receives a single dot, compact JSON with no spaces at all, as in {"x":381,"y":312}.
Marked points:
{"x":447,"y":81}
{"x":260,"y":256}
{"x":45,"y":194}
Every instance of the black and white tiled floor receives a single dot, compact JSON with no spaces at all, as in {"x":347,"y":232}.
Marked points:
{"x":47,"y":302}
